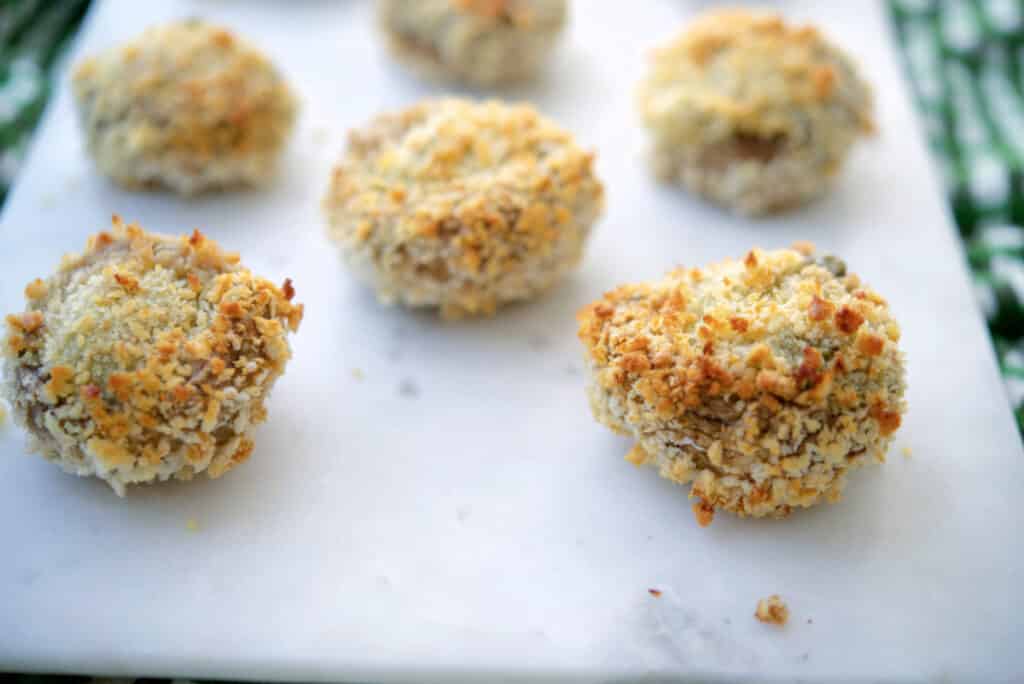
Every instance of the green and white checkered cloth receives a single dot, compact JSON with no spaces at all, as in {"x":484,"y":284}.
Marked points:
{"x":964,"y":59}
{"x":33,"y":34}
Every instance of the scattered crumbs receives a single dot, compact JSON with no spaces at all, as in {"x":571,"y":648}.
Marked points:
{"x":656,"y":593}
{"x":907,"y":453}
{"x":572,"y":369}
{"x":3,"y":413}
{"x":772,"y":610}
{"x":805,"y":656}
{"x":810,"y":621}
{"x":408,"y":389}
{"x":357,"y":373}
{"x":192,"y":525}
{"x":462,"y":513}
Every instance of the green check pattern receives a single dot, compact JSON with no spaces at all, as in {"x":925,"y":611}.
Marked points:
{"x":964,"y":60}
{"x":33,"y":35}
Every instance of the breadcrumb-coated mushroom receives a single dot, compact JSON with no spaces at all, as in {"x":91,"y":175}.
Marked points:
{"x":761,"y":381}
{"x":461,"y":205}
{"x":187,"y":106}
{"x":479,"y":42}
{"x":751,"y":112}
{"x":146,"y":357}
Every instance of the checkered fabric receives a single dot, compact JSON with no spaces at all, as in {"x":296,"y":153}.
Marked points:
{"x":33,"y":34}
{"x":964,"y":60}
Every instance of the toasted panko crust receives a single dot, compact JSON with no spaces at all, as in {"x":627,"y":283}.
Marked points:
{"x":462,"y":205}
{"x":146,"y":357}
{"x":751,"y":112}
{"x":479,"y":42}
{"x":188,"y":106}
{"x":762,"y":381}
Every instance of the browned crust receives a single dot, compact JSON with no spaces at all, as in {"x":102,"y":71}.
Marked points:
{"x":760,"y":380}
{"x":130,"y":385}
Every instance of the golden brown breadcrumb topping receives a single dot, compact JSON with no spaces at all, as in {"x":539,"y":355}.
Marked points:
{"x":147,"y":356}
{"x":760,"y":380}
{"x":462,"y":193}
{"x":762,"y":75}
{"x":506,"y":10}
{"x":186,"y":94}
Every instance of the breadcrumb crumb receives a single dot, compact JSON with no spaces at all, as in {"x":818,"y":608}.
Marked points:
{"x":907,"y":453}
{"x":192,"y":525}
{"x":357,"y":373}
{"x":3,"y":414}
{"x":772,"y":610}
{"x":703,"y":512}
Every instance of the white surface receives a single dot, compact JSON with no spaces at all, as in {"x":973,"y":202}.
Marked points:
{"x":487,"y":526}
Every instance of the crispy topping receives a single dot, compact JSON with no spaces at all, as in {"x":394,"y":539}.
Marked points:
{"x":754,"y":72}
{"x":848,"y":320}
{"x":59,"y":384}
{"x":129,"y":283}
{"x":35,"y":290}
{"x":888,"y":420}
{"x":824,"y":81}
{"x":808,"y":375}
{"x":819,"y":309}
{"x":760,"y":417}
{"x":28,"y":322}
{"x":157,"y":349}
{"x":491,"y":9}
{"x":463,"y":205}
{"x":181,"y":98}
{"x":804,"y":247}
{"x":870,"y":344}
{"x":232,"y":309}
